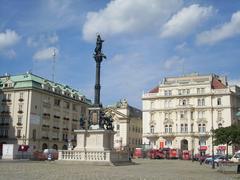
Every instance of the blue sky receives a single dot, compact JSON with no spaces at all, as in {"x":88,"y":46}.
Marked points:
{"x":145,"y":41}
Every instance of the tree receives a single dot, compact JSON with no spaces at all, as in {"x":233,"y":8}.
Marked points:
{"x":227,"y":135}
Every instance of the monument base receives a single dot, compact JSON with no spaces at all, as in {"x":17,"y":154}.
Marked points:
{"x":95,"y":146}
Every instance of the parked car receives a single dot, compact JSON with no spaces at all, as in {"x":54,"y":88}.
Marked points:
{"x":220,"y":159}
{"x":236,"y":157}
{"x":209,"y":160}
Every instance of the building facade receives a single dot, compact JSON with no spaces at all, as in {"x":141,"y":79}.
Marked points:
{"x":127,"y":121}
{"x":39,"y":113}
{"x":181,"y":112}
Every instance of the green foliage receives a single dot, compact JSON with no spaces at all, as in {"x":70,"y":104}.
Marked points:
{"x":227,"y":135}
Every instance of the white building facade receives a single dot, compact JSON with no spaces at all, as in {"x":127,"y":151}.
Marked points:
{"x":181,"y":111}
{"x":127,"y":121}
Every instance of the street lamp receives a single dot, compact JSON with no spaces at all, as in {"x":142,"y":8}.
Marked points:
{"x":213,"y":164}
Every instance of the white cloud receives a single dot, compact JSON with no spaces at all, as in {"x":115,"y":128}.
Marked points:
{"x":45,"y":54}
{"x":227,"y":30}
{"x":186,"y":20}
{"x":11,"y":54}
{"x":122,"y":16}
{"x":8,"y":38}
{"x":173,"y":63}
{"x":42,"y":40}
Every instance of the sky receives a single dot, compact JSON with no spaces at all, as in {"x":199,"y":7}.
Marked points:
{"x":145,"y":41}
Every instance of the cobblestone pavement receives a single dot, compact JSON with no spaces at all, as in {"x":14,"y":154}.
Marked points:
{"x":142,"y":170}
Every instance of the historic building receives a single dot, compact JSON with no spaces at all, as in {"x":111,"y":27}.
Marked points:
{"x":181,"y":111}
{"x":127,"y":121}
{"x":40,"y":113}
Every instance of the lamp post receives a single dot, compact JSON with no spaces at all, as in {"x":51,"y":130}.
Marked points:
{"x":213,"y":164}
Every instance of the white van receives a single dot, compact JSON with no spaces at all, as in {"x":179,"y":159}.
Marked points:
{"x":236,"y":157}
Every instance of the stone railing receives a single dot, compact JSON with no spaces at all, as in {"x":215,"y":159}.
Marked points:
{"x":84,"y":155}
{"x":102,"y":156}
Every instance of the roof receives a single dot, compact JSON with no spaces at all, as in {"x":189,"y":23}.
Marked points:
{"x":217,"y":84}
{"x":154,"y":90}
{"x":29,"y":80}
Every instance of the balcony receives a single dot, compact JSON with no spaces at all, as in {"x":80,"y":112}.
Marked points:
{"x":66,"y":118}
{"x":151,"y":135}
{"x":75,"y":120}
{"x":57,"y":117}
{"x":5,"y":113}
{"x":19,"y":124}
{"x":3,"y":136}
{"x":6,"y":100}
{"x":55,"y":128}
{"x":45,"y":126}
{"x":46,"y":115}
{"x":20,"y":111}
{"x":45,"y":137}
{"x":20,"y":99}
{"x":4,"y":124}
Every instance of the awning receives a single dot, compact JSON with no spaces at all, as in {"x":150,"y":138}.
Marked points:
{"x":221,"y":148}
{"x":23,"y":148}
{"x":203,"y":148}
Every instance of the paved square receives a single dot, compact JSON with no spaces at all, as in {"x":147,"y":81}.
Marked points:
{"x":143,"y":170}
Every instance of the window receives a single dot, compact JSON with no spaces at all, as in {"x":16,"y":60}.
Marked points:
{"x":191,"y":127}
{"x":183,"y":114}
{"x":219,"y":125}
{"x":201,"y":114}
{"x":202,"y":142}
{"x":34,"y":133}
{"x":19,"y":133}
{"x":201,"y":128}
{"x":200,"y":90}
{"x":20,"y":107}
{"x":74,"y":107}
{"x":118,"y":127}
{"x":170,"y":128}
{"x":167,"y":92}
{"x":21,"y":95}
{"x":219,"y":101}
{"x":168,"y":143}
{"x":152,"y":129}
{"x":166,"y":128}
{"x":9,"y":96}
{"x":191,"y":114}
{"x":19,"y":120}
{"x":186,"y":128}
{"x":182,"y":128}
{"x":57,"y":102}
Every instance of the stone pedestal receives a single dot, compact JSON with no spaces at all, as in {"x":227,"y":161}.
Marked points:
{"x":94,"y":140}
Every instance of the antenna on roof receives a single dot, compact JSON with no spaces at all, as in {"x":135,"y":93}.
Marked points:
{"x":53,"y":65}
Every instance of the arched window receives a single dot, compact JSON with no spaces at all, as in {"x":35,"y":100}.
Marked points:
{"x":219,"y":125}
{"x":203,"y":128}
{"x":44,"y":146}
{"x":219,"y":101}
{"x":55,"y":147}
{"x":184,"y":102}
{"x":166,"y":128}
{"x":186,"y":128}
{"x":199,"y":127}
{"x":152,"y":129}
{"x":170,"y":128}
{"x":182,"y":128}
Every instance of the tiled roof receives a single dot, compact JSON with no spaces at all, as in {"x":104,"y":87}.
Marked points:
{"x":154,"y":90}
{"x":217,"y":84}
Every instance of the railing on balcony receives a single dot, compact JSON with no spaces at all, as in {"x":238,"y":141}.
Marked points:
{"x":66,"y":118}
{"x":57,"y":117}
{"x":55,"y":139}
{"x":3,"y":136}
{"x":55,"y":128}
{"x":20,"y":111}
{"x":46,"y":126}
{"x":151,"y":135}
{"x":19,"y":124}
{"x":21,"y":99}
{"x":45,"y":137}
{"x":46,"y":115}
